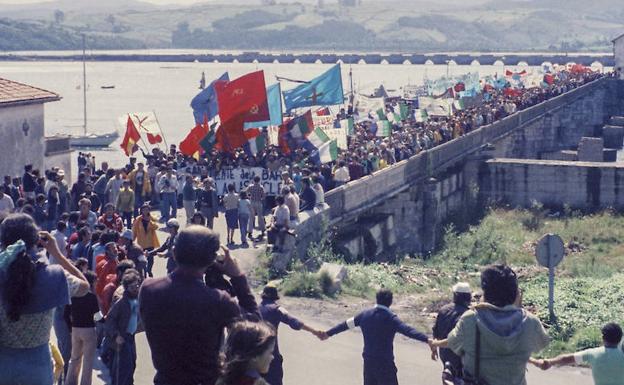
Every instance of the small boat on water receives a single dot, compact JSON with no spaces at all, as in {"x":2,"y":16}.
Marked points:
{"x":93,"y":140}
{"x":108,"y":87}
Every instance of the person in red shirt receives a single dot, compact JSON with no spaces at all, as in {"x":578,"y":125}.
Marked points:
{"x":105,"y":267}
{"x":112,"y":283}
{"x":110,"y":219}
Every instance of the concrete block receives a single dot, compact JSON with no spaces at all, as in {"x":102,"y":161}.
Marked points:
{"x":610,"y":154}
{"x":338,"y":273}
{"x":590,"y":149}
{"x":617,"y":121}
{"x":613,"y":136}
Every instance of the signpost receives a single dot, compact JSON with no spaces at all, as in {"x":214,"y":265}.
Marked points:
{"x":549,"y":253}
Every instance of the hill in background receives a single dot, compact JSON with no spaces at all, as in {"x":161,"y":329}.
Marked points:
{"x":414,"y":26}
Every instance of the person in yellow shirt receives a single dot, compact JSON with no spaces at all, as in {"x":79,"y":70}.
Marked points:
{"x":125,"y":203}
{"x":57,"y":361}
{"x":144,"y":233}
{"x":141,"y":185}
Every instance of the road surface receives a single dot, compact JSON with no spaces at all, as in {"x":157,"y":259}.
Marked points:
{"x":337,"y":361}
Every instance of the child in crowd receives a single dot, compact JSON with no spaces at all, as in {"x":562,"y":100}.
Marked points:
{"x":248,"y":354}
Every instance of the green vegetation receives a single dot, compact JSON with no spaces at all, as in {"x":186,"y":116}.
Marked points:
{"x":589,"y":287}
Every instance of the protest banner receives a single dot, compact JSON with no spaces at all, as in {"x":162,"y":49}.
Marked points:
{"x":243,"y":177}
{"x":340,"y":134}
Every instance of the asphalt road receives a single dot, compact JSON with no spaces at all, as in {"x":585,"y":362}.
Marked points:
{"x":337,"y":361}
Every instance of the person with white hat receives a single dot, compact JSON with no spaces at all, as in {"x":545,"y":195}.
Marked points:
{"x":445,"y":322}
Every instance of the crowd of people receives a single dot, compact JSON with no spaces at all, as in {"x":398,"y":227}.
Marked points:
{"x":78,"y":257}
{"x":489,"y":342}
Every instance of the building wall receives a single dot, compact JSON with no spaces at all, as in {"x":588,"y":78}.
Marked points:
{"x":618,"y":51}
{"x":16,"y":148}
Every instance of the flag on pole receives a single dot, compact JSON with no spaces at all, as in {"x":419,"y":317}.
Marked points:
{"x":244,"y":97}
{"x":420,"y":115}
{"x":241,"y":101}
{"x":316,"y":139}
{"x":293,"y":132}
{"x":131,"y":138}
{"x":384,"y":128}
{"x":323,"y":111}
{"x":458,"y":104}
{"x":347,"y":125}
{"x":327,"y":152}
{"x":256,"y":141}
{"x":274,"y":98}
{"x":191,"y":144}
{"x":147,"y":124}
{"x":381,"y":114}
{"x":403,"y":111}
{"x":205,"y":104}
{"x":324,"y":90}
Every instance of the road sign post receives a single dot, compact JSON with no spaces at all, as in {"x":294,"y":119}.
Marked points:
{"x":549,"y":253}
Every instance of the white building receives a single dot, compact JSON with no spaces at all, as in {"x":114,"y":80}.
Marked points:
{"x":618,"y":53}
{"x":22,"y":134}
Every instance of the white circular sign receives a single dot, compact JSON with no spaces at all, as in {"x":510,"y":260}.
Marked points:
{"x":549,"y":250}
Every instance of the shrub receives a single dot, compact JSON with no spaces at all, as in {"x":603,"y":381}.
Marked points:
{"x":302,"y":284}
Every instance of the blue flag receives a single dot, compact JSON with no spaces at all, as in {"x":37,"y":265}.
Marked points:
{"x":324,"y":90}
{"x":274,"y":98}
{"x":205,"y":103}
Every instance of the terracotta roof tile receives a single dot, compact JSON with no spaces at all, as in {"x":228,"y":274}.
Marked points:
{"x":14,"y":92}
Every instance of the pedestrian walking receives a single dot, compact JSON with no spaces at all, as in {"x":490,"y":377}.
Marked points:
{"x":189,"y":197}
{"x":257,"y":195}
{"x":144,"y":233}
{"x":230,"y":201}
{"x":244,"y":212}
{"x":208,"y":203}
{"x":125,"y":203}
{"x":122,"y":323}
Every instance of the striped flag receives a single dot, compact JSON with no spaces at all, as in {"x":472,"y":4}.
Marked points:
{"x":347,"y":125}
{"x":317,"y":137}
{"x":256,"y":141}
{"x":458,"y":104}
{"x":421,"y":115}
{"x":328,"y":152}
{"x":384,"y":128}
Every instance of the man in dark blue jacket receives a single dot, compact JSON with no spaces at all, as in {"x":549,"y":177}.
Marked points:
{"x":274,"y":314}
{"x":379,"y":326}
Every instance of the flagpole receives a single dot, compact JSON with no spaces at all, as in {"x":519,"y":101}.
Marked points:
{"x":161,"y":131}
{"x":142,"y":140}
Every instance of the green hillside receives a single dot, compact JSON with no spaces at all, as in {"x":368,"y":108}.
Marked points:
{"x":415,"y":26}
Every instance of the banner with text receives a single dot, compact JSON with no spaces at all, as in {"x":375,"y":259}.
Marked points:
{"x":243,"y":177}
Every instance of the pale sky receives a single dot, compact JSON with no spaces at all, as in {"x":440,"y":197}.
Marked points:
{"x":159,"y":2}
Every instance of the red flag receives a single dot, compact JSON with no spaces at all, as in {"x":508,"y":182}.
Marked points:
{"x":245,"y":97}
{"x":154,"y":139}
{"x":323,"y":111}
{"x":190,"y":145}
{"x":131,"y":138}
{"x":459,"y":87}
{"x":231,"y":134}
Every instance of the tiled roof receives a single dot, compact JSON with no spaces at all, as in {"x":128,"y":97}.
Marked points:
{"x":17,"y":93}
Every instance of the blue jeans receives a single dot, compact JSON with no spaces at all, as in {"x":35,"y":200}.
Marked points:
{"x":124,"y":362}
{"x":127,"y":217}
{"x":168,"y":206}
{"x":63,"y":335}
{"x":243,"y":220}
{"x":138,"y":202}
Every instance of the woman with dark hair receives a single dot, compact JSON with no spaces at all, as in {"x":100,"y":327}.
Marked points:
{"x":507,"y":333}
{"x":230,"y":201}
{"x":198,"y":219}
{"x":248,"y":354}
{"x":31,"y":289}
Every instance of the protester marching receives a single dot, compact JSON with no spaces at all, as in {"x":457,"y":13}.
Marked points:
{"x":78,"y":256}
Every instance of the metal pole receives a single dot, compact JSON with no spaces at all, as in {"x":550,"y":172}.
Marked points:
{"x":551,"y":283}
{"x":161,"y":131}
{"x":84,"y":82}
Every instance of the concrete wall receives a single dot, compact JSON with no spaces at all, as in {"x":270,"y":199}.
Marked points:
{"x":16,"y":148}
{"x":582,"y":185}
{"x":618,"y":53}
{"x":442,"y":185}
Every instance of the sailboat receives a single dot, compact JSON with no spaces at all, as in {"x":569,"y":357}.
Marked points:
{"x":86,"y":139}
